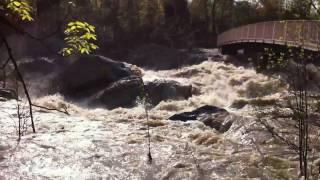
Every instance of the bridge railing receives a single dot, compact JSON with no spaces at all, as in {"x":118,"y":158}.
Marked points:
{"x":296,"y":33}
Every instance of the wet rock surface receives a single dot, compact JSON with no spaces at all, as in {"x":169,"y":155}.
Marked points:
{"x":8,"y":94}
{"x":211,"y":116}
{"x":112,"y":84}
{"x":127,"y":91}
{"x":121,"y":93}
{"x":161,"y":90}
{"x":89,"y":74}
{"x":194,"y":115}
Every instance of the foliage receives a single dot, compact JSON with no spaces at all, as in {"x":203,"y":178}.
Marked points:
{"x":79,"y":38}
{"x":293,"y":61}
{"x":273,"y":60}
{"x":150,"y":12}
{"x":165,"y":21}
{"x":20,"y":8}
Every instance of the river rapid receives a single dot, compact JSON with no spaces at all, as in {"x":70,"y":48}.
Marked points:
{"x":113,"y":144}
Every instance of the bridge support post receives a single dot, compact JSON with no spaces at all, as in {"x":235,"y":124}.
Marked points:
{"x":253,"y":48}
{"x":229,"y":49}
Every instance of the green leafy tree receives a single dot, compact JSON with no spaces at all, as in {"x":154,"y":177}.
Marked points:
{"x":80,"y":37}
{"x":21,"y":9}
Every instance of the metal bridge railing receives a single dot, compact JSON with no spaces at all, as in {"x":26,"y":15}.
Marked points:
{"x":303,"y":33}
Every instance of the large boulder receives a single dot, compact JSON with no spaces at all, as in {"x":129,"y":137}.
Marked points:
{"x":211,"y":116}
{"x":41,"y":66}
{"x":124,"y":92}
{"x":121,"y":93}
{"x":90,"y":74}
{"x":160,"y":90}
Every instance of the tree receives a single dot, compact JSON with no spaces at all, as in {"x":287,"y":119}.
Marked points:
{"x":244,"y":13}
{"x":271,"y":9}
{"x":150,"y":15}
{"x":13,"y":12}
{"x":211,"y":17}
{"x":301,"y":9}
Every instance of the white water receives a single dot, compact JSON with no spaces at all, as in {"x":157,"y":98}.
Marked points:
{"x":93,"y":144}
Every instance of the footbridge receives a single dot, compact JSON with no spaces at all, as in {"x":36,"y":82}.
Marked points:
{"x":294,"y":33}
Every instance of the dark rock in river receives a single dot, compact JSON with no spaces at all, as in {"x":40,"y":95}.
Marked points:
{"x":161,"y":90}
{"x":8,"y":94}
{"x":38,"y":66}
{"x":113,"y":84}
{"x":193,"y":115}
{"x":90,"y":74}
{"x":212,"y":116}
{"x":122,"y":93}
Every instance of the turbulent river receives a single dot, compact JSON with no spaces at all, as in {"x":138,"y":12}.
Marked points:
{"x":112,"y":144}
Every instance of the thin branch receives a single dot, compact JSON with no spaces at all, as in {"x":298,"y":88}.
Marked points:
{"x":277,"y":136}
{"x":20,"y":78}
{"x":5,"y":64}
{"x":145,"y":103}
{"x":51,"y":109}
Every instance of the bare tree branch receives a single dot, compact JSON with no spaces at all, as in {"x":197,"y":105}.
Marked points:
{"x":9,"y":51}
{"x":51,"y":109}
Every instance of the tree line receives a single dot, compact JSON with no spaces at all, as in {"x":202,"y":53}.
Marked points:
{"x":175,"y":23}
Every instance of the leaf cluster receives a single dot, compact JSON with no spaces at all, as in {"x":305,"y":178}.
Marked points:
{"x":20,"y":8}
{"x":275,"y":61}
{"x":80,"y":38}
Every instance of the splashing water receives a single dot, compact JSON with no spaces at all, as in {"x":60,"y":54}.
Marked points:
{"x":112,"y":144}
{"x":219,"y":84}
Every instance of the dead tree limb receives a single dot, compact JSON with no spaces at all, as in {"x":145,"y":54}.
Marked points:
{"x":12,"y":59}
{"x":274,"y":134}
{"x":52,"y":109}
{"x":3,"y":68}
{"x":5,"y":64}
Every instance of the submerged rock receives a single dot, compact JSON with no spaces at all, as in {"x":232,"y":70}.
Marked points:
{"x":124,"y":92}
{"x":212,"y":116}
{"x":160,"y":90}
{"x":193,"y":115}
{"x":8,"y":94}
{"x":4,"y":147}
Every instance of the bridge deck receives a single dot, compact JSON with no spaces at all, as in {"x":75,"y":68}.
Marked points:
{"x":297,"y":33}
